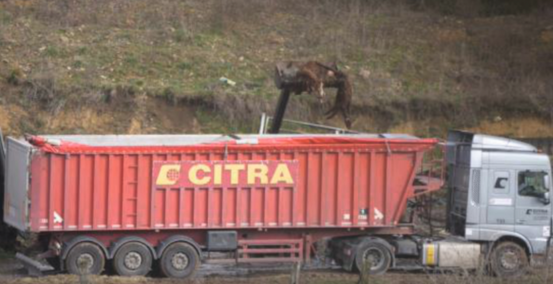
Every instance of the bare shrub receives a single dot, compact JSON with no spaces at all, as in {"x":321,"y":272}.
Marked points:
{"x":41,"y":86}
{"x":94,"y":96}
{"x":365,"y":272}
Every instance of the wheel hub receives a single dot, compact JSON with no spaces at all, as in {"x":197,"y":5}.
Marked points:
{"x":374,"y":258}
{"x":133,"y":260}
{"x":179,"y":261}
{"x":85,"y":262}
{"x":509,"y":260}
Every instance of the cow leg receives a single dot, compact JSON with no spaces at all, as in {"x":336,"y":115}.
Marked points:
{"x":331,"y":112}
{"x":345,"y":115}
{"x":321,"y":92}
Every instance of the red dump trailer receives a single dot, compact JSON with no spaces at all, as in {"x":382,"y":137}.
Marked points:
{"x":171,"y":200}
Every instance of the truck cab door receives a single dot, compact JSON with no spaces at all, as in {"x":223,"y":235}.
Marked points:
{"x":501,"y":199}
{"x":533,"y":208}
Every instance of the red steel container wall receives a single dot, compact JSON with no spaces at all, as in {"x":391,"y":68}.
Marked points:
{"x":337,"y":185}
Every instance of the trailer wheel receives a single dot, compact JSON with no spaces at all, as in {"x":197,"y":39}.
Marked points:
{"x":132,"y":259}
{"x":179,"y":260}
{"x":373,"y":257}
{"x":85,"y":258}
{"x":508,"y":259}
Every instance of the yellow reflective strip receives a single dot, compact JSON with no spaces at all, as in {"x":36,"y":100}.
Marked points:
{"x":430,"y":255}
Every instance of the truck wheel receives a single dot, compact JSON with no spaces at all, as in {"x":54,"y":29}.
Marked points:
{"x":373,"y":257}
{"x":133,"y":259}
{"x":85,"y":258}
{"x":179,"y":260}
{"x":508,"y":259}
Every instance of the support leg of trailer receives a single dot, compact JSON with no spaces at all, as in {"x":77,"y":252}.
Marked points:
{"x":33,"y":267}
{"x":280,"y":110}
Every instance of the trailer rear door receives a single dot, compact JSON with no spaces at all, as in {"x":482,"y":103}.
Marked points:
{"x":17,"y":184}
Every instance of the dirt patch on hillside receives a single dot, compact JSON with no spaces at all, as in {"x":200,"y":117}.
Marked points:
{"x":172,"y":117}
{"x":74,"y":119}
{"x":516,"y":127}
{"x":104,"y":114}
{"x":5,"y":121}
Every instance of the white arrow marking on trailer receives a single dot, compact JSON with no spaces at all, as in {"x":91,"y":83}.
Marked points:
{"x":57,"y":218}
{"x":378,"y":215}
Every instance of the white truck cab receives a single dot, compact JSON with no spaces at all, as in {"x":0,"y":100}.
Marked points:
{"x":498,"y":196}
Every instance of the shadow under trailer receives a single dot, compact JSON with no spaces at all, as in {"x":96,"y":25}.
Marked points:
{"x":173,"y":202}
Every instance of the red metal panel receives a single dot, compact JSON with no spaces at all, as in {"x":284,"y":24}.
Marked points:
{"x":339,"y":184}
{"x":39,"y":197}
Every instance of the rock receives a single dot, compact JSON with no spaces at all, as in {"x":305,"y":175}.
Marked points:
{"x":547,"y":36}
{"x":276,"y":39}
{"x":365,"y":74}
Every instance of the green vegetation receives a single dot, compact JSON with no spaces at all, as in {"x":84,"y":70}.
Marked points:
{"x":408,"y":60}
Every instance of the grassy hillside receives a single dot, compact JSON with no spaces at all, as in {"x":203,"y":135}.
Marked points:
{"x":141,"y":66}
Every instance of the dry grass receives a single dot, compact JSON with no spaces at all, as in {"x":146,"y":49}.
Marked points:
{"x":306,"y":277}
{"x":516,"y":127}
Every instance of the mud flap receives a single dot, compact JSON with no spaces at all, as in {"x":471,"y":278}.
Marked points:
{"x":33,"y":267}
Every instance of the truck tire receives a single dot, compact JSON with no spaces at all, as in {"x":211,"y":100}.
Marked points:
{"x":132,"y":259}
{"x":379,"y":258}
{"x":508,"y":259}
{"x":179,"y":260}
{"x":85,"y":258}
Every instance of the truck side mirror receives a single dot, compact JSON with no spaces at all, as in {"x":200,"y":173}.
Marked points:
{"x":546,"y":181}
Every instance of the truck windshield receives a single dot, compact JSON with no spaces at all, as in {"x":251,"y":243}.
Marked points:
{"x":532,"y":183}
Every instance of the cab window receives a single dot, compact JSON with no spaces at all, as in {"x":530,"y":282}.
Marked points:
{"x":532,"y":183}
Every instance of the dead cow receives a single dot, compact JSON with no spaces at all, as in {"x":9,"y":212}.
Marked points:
{"x":312,"y":77}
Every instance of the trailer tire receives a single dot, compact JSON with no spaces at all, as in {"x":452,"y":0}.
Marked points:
{"x":85,"y":258}
{"x":376,"y":252}
{"x":508,"y":259}
{"x":133,"y":259}
{"x":179,"y":260}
